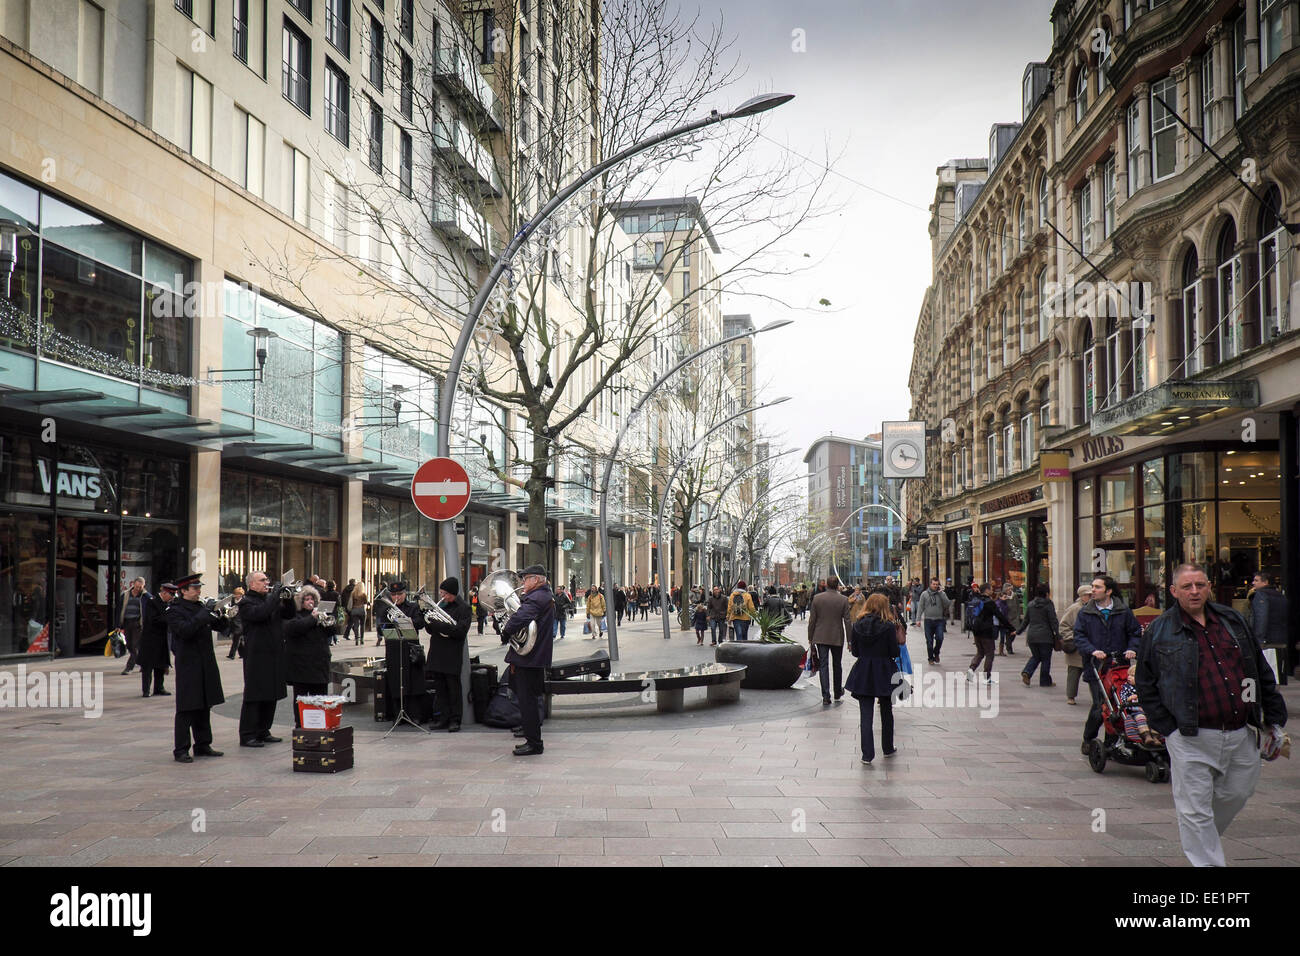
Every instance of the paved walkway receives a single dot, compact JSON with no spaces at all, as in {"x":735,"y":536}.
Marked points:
{"x":772,"y":780}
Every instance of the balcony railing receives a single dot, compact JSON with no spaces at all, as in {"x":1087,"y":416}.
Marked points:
{"x":455,"y":217}
{"x":460,"y":149}
{"x":457,"y":70}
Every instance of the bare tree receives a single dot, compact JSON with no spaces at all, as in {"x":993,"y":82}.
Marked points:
{"x":477,"y":158}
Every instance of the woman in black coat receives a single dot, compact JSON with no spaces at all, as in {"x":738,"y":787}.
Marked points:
{"x":1044,"y":631}
{"x":307,"y":637}
{"x":874,"y":642}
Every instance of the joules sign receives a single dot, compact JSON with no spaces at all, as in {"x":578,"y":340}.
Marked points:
{"x":71,"y":481}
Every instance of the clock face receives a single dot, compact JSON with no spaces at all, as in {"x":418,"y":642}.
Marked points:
{"x":904,"y":456}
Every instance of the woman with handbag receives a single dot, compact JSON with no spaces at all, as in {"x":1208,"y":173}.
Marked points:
{"x":1073,"y":659}
{"x":874,"y":641}
{"x":1044,"y":636}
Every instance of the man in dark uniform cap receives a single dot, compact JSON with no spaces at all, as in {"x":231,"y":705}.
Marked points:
{"x":397,"y":653}
{"x":446,"y":652}
{"x":198,"y":682}
{"x":529,"y":670}
{"x":153,"y":652}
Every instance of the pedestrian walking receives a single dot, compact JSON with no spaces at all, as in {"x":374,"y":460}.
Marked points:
{"x":620,"y":604}
{"x":933,"y":607}
{"x":564,"y":607}
{"x":1105,"y":626}
{"x":1009,"y":605}
{"x":1268,"y":619}
{"x":740,"y":611}
{"x":914,"y":601}
{"x":699,"y":621}
{"x":358,"y":601}
{"x":643,"y":603}
{"x":984,"y":631}
{"x":1044,"y":636}
{"x":829,"y":622}
{"x":873,"y":640}
{"x":131,"y":620}
{"x":1205,"y":686}
{"x":716,"y":606}
{"x":595,"y":613}
{"x":1073,"y":659}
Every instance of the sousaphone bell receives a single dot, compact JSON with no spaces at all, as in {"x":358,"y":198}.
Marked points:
{"x":499,"y":594}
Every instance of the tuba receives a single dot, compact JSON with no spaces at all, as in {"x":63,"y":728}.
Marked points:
{"x":432,"y":609}
{"x":499,"y":592}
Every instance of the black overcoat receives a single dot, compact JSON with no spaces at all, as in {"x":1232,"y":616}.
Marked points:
{"x":447,"y":642}
{"x":265,"y":667}
{"x":198,"y":682}
{"x":307,"y":644}
{"x":153,"y":652}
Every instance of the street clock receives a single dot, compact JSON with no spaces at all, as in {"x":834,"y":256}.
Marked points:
{"x":904,"y":449}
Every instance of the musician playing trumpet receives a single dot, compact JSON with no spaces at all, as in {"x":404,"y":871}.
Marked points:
{"x":447,"y":634}
{"x":528,"y":670}
{"x":307,"y":637}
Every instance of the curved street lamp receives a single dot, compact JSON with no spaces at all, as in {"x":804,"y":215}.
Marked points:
{"x":446,"y":400}
{"x":735,"y":543}
{"x":666,"y":585}
{"x":721,"y":497}
{"x":849,"y":517}
{"x":606,"y":555}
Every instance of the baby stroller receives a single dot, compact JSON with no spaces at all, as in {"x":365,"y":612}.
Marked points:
{"x":1122,"y":744}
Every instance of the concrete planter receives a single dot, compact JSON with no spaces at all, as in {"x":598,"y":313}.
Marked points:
{"x":769,"y":666}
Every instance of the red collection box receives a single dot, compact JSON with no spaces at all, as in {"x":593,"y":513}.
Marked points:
{"x":320,"y":716}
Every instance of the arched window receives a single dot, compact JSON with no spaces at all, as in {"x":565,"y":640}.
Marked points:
{"x":1004,"y":240}
{"x":988,"y":265}
{"x":1271,"y":262}
{"x":991,"y":449}
{"x":988,"y":350}
{"x":1025,"y":315}
{"x":1042,"y":199}
{"x":1141,"y":326}
{"x":970,"y":287}
{"x":1103,"y":58}
{"x":1114,"y":355}
{"x":1087,"y":376}
{"x":1021,"y":226}
{"x":1044,"y":306}
{"x":1045,"y":404}
{"x":1008,"y":337}
{"x":1191,"y":308}
{"x":1231,"y":315}
{"x":1080,"y":94}
{"x":1027,"y":433}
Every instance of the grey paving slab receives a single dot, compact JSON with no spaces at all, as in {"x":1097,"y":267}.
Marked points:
{"x":771,"y":780}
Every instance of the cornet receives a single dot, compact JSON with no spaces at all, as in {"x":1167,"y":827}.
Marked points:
{"x":432,"y":609}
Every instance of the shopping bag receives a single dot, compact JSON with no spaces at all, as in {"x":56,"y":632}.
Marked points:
{"x":586,"y":627}
{"x":904,"y":659}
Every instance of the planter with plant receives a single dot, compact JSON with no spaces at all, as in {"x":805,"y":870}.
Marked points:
{"x":773,"y":661}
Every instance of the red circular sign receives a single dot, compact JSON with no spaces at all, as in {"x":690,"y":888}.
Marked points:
{"x":440,"y":489}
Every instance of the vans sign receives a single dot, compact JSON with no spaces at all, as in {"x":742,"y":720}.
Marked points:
{"x":72,"y":481}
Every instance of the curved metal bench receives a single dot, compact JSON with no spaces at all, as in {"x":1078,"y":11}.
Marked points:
{"x":666,"y":687}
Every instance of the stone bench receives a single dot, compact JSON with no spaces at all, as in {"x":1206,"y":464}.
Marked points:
{"x":668,"y":686}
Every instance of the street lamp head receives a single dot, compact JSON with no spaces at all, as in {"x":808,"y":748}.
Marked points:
{"x":760,"y":104}
{"x":778,"y":324}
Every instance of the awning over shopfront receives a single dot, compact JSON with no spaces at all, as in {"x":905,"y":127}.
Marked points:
{"x":305,"y":456}
{"x":1174,"y":406}
{"x":97,"y":408}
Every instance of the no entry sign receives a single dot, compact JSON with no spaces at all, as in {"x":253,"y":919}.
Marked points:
{"x":440,"y":489}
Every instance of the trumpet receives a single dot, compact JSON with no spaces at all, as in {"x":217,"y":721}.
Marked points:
{"x":432,"y":609}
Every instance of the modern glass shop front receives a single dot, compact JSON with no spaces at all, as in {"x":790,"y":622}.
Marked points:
{"x":78,"y":531}
{"x":1219,"y":507}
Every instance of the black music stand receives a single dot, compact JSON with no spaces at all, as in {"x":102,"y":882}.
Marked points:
{"x":403,"y":634}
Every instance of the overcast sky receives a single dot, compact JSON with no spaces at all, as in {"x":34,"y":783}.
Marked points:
{"x":896,"y":88}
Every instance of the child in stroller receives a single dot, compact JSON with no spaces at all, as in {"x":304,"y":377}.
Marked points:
{"x":1129,"y":740}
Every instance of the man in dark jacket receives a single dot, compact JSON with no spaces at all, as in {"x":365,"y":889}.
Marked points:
{"x":983,"y":629}
{"x":262,"y":612}
{"x":198,"y":681}
{"x":154,"y":656}
{"x":529,"y":670}
{"x":405,"y":681}
{"x":1105,"y":626}
{"x":446,"y":652}
{"x":1268,"y":617}
{"x":717,"y":611}
{"x":620,"y":604}
{"x":828,"y":627}
{"x":1204,"y":683}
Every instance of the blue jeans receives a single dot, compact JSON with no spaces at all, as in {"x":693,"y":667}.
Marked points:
{"x":561,"y":621}
{"x":933,"y":636}
{"x":742,"y":630}
{"x":1040,"y":654}
{"x":716,"y":628}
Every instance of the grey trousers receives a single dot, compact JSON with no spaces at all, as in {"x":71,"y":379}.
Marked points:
{"x":1213,"y":775}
